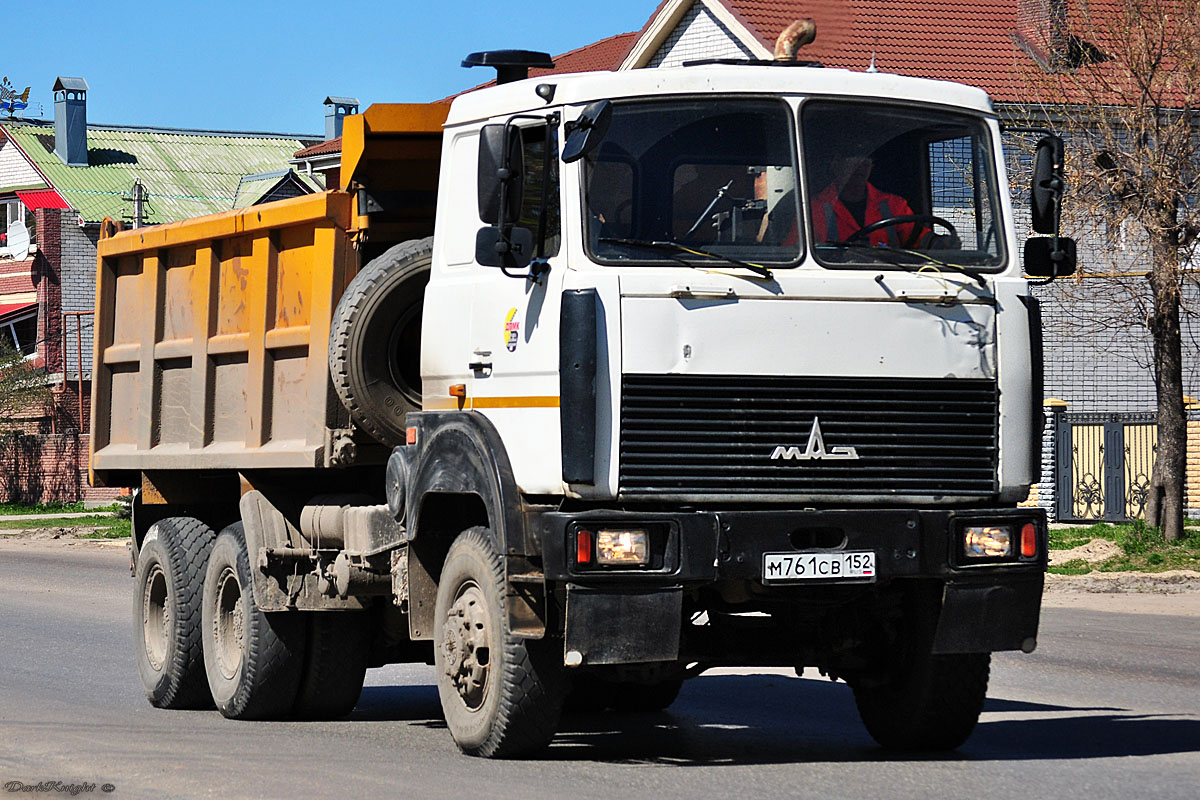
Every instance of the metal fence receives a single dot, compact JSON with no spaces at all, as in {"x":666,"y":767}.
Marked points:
{"x":1104,"y":463}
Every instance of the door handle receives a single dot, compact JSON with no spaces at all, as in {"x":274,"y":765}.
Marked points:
{"x":480,"y":366}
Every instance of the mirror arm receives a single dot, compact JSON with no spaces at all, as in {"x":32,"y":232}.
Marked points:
{"x":536,"y":269}
{"x":551,"y":123}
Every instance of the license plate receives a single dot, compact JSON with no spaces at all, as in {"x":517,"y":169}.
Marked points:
{"x":858,"y":565}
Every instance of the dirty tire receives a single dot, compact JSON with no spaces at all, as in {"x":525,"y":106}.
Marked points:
{"x":928,"y":702}
{"x":335,"y":664}
{"x":375,"y":340}
{"x":166,"y":613}
{"x":253,"y":660}
{"x":502,"y":695}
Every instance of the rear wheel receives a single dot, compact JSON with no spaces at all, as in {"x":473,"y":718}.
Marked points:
{"x":253,"y":659}
{"x":335,"y":664}
{"x":502,"y":695}
{"x":166,"y":613}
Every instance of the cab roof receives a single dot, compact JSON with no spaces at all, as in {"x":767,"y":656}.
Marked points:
{"x":798,"y":80}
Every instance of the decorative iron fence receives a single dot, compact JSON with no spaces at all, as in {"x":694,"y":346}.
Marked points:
{"x":1104,"y":463}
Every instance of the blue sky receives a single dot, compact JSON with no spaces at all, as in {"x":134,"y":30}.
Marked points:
{"x":267,"y":66}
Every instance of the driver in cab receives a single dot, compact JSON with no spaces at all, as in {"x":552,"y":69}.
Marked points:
{"x":851,"y":202}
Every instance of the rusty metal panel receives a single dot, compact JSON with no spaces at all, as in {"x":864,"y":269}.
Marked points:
{"x":212,"y":336}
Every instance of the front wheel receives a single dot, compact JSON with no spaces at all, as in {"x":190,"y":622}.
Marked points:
{"x":502,"y":695}
{"x":924,"y":701}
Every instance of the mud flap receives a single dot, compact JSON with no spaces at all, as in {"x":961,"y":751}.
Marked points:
{"x":985,"y":616}
{"x":624,"y":624}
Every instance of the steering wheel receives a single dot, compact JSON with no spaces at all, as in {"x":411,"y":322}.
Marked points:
{"x":903,"y":219}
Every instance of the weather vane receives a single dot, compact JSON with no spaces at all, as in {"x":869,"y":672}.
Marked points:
{"x":10,"y":101}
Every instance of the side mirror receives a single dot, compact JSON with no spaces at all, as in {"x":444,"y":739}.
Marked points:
{"x":1042,"y":260}
{"x":501,"y":166}
{"x":1045,"y":197}
{"x":585,"y":134}
{"x":510,"y":247}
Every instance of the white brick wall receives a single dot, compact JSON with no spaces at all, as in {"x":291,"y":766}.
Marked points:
{"x":698,"y":35}
{"x":14,"y":169}
{"x":78,"y":287}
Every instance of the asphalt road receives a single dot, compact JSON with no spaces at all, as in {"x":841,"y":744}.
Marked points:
{"x":1108,"y":707}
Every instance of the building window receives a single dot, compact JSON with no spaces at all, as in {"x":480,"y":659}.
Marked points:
{"x":21,"y":334}
{"x":15,"y":214}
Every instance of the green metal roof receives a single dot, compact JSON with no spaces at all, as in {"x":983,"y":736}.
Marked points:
{"x":185,"y":173}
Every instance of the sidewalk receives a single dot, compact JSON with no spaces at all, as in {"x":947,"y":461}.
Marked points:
{"x":60,"y":515}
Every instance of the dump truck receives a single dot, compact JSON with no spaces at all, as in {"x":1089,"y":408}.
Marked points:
{"x":582,"y":385}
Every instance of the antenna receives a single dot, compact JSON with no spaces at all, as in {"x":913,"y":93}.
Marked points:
{"x":874,"y":47}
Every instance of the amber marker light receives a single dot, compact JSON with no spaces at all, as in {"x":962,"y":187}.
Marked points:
{"x":410,"y":435}
{"x":1028,"y":540}
{"x":458,"y":390}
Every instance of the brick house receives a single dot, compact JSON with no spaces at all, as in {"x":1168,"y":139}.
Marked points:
{"x":59,"y":179}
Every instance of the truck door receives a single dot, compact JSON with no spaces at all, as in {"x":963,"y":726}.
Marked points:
{"x":514,"y":328}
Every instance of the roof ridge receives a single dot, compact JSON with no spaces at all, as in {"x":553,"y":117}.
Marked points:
{"x":105,"y":126}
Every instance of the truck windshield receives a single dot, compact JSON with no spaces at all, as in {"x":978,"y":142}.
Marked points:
{"x":900,"y":185}
{"x":715,"y":176}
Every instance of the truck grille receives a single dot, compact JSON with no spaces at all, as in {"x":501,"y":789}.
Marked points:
{"x":698,"y":435}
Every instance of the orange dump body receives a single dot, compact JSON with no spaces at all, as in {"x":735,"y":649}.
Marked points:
{"x":211,"y":338}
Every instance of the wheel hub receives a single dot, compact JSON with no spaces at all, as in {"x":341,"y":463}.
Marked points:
{"x":466,"y":647}
{"x":156,"y":617}
{"x":229,"y":625}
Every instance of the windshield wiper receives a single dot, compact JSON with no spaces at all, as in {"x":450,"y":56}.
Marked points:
{"x":676,"y":248}
{"x":887,"y":249}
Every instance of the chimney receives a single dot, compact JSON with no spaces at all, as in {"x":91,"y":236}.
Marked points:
{"x":70,"y":121}
{"x":336,"y":109}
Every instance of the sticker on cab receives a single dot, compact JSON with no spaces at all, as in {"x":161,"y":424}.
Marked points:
{"x":512,"y":330}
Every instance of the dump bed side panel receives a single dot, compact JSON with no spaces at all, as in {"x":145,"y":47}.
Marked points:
{"x":212,"y":340}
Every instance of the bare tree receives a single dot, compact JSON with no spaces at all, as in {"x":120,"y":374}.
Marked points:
{"x":1121,"y":81}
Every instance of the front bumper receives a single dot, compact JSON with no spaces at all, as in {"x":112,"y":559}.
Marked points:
{"x":985,"y":607}
{"x":706,"y":546}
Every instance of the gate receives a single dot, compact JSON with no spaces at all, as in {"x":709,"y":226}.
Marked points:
{"x":1104,"y":463}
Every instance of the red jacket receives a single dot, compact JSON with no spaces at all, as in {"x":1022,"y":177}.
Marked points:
{"x":833,"y":222}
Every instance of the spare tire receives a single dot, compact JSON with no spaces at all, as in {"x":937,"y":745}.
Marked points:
{"x":375,"y":340}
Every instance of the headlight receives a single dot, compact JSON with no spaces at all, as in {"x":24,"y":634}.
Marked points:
{"x":987,"y":541}
{"x":623,"y":547}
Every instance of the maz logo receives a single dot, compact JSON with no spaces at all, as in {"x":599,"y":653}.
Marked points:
{"x":815,"y":449}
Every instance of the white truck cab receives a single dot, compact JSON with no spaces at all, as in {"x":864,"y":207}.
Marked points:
{"x":904,"y":347}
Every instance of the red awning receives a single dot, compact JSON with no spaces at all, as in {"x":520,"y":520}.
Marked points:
{"x":42,"y":198}
{"x":13,"y":309}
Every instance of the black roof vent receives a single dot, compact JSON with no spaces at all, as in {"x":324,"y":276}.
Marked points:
{"x":752,"y":62}
{"x":511,"y":65}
